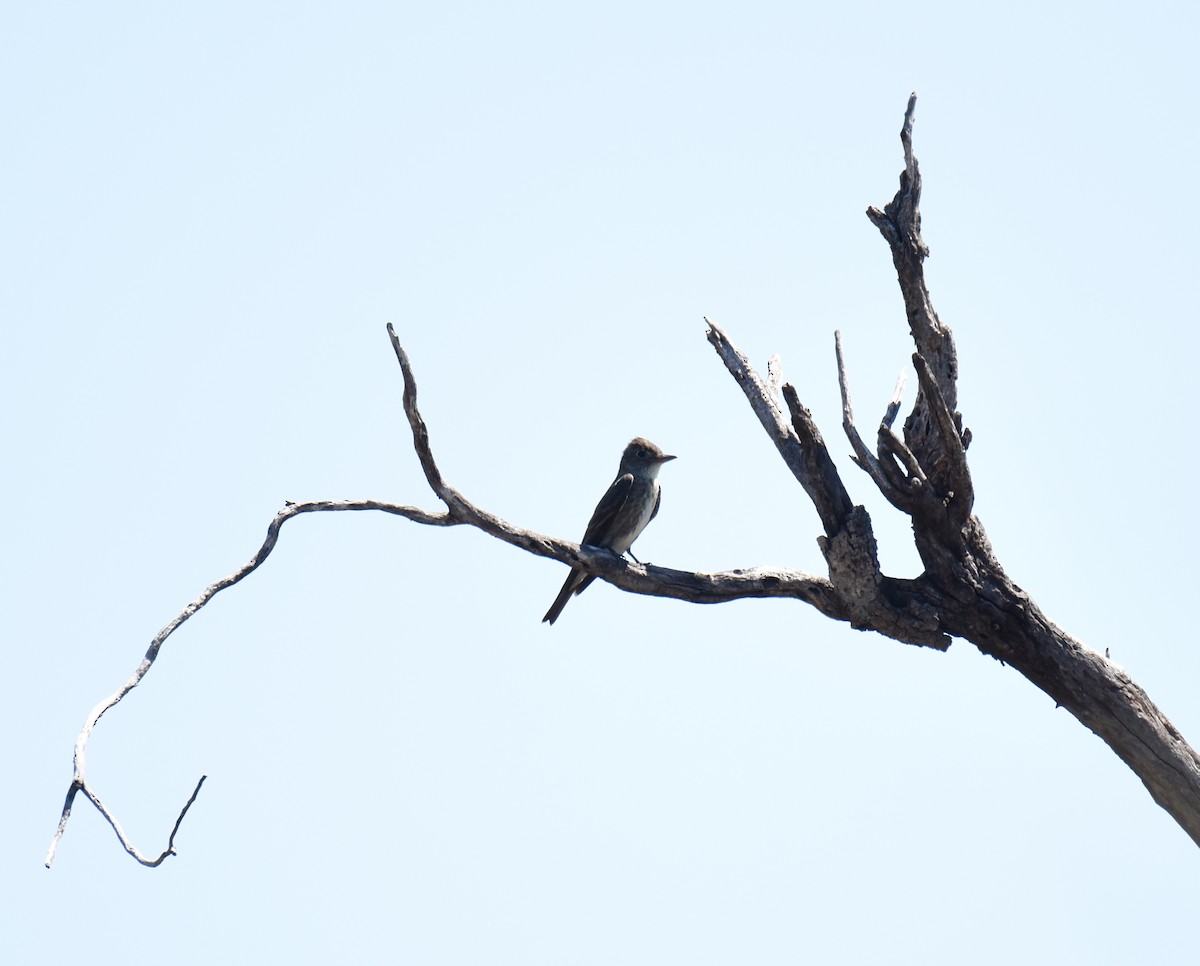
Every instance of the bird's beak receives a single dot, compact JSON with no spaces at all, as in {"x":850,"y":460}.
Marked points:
{"x":664,"y":459}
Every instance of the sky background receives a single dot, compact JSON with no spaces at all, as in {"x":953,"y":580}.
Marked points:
{"x":210,"y":213}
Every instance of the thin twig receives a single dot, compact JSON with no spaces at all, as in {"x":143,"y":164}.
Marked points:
{"x":892,"y":445}
{"x":79,"y":778}
{"x":895,"y":494}
{"x":832,"y":501}
{"x":893,"y":407}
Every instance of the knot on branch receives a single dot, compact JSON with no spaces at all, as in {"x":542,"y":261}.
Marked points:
{"x":871,"y":600}
{"x":853,"y":559}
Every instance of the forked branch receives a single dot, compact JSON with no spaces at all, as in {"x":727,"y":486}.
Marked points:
{"x":963,"y":591}
{"x":692,"y":586}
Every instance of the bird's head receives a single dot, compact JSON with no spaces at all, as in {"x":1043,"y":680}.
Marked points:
{"x":642,"y":457}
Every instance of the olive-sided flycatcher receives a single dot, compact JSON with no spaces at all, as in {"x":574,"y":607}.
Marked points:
{"x":621,"y":515}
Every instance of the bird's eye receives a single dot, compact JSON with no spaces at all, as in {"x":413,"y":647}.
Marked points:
{"x":642,"y":453}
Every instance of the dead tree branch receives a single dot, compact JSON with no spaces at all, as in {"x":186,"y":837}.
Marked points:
{"x":963,"y":591}
{"x":695,"y":587}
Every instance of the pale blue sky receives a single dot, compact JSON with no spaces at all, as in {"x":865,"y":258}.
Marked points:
{"x":210,"y":214}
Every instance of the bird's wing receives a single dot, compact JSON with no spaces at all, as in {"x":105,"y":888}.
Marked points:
{"x":609,"y":506}
{"x":657,"y":501}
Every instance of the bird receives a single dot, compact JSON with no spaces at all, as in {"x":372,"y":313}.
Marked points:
{"x":629,"y":504}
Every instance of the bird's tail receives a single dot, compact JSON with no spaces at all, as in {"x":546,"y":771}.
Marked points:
{"x":574,"y":584}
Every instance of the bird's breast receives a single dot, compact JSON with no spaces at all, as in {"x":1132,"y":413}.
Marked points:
{"x":640,"y":512}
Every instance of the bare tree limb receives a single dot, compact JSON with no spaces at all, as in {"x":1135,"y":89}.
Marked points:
{"x":870,"y":600}
{"x":900,"y":224}
{"x":79,"y":779}
{"x":781,"y":432}
{"x":116,"y":826}
{"x":695,"y":587}
{"x":963,"y":591}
